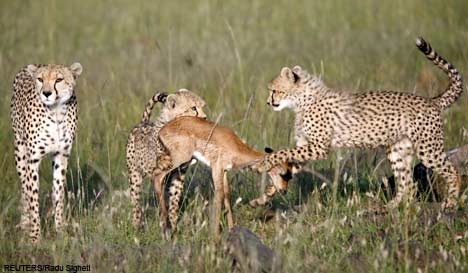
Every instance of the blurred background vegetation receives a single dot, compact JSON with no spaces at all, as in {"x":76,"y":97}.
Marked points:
{"x":226,"y":52}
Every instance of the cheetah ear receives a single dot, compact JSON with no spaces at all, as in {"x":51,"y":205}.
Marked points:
{"x":296,"y":168}
{"x":290,"y":74}
{"x":76,"y":70}
{"x":268,"y":150}
{"x":287,"y":73}
{"x":297,"y":72}
{"x":31,"y":69}
{"x":296,"y":77}
{"x":183,"y":90}
{"x":297,"y":69}
{"x":171,"y":101}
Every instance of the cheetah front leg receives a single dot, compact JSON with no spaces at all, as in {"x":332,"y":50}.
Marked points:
{"x":267,"y":196}
{"x":32,"y":199}
{"x":59,"y":165}
{"x":21,"y":163}
{"x":312,"y":151}
{"x":400,"y":156}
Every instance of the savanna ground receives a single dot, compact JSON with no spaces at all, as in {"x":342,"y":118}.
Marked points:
{"x":227,"y":52}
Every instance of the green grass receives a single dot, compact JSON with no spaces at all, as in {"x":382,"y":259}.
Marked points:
{"x":227,"y":52}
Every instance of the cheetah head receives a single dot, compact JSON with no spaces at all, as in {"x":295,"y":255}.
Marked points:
{"x":290,"y":85}
{"x":183,"y":103}
{"x":281,"y":174}
{"x":55,"y":83}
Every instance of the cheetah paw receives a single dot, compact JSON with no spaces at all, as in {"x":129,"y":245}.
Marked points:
{"x":165,"y":162}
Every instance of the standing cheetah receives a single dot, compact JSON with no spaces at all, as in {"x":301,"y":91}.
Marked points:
{"x":43,"y":117}
{"x":406,"y":124}
{"x":144,"y":151}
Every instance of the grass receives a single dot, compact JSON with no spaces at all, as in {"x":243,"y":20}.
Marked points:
{"x":227,"y":52}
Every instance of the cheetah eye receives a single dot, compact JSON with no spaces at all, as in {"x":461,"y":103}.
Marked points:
{"x":279,"y":92}
{"x":58,"y":80}
{"x":194,"y":108}
{"x":40,"y":80}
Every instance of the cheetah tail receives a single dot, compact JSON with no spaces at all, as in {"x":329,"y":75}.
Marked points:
{"x":455,"y":88}
{"x":157,"y":97}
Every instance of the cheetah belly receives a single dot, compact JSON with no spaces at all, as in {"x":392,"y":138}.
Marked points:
{"x":366,"y":135}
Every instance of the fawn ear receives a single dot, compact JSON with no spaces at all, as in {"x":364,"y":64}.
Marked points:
{"x":268,"y":150}
{"x":76,"y":70}
{"x":171,"y":101}
{"x":31,"y":69}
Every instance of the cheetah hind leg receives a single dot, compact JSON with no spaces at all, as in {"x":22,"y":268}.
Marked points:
{"x":400,"y":156}
{"x":177,"y":178}
{"x":175,"y":193}
{"x":136,"y":182}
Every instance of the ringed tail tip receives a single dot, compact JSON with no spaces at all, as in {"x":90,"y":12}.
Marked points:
{"x":423,"y":45}
{"x":162,"y":96}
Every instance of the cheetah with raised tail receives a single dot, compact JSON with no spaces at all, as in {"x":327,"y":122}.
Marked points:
{"x":43,"y":117}
{"x":144,"y":151}
{"x":406,"y":124}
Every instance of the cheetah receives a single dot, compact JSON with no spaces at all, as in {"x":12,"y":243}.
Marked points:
{"x":144,"y":152}
{"x":43,"y":117}
{"x":405,"y":124}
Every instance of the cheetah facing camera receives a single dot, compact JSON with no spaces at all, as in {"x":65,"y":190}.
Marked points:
{"x":43,"y":117}
{"x":145,"y":153}
{"x":406,"y":124}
